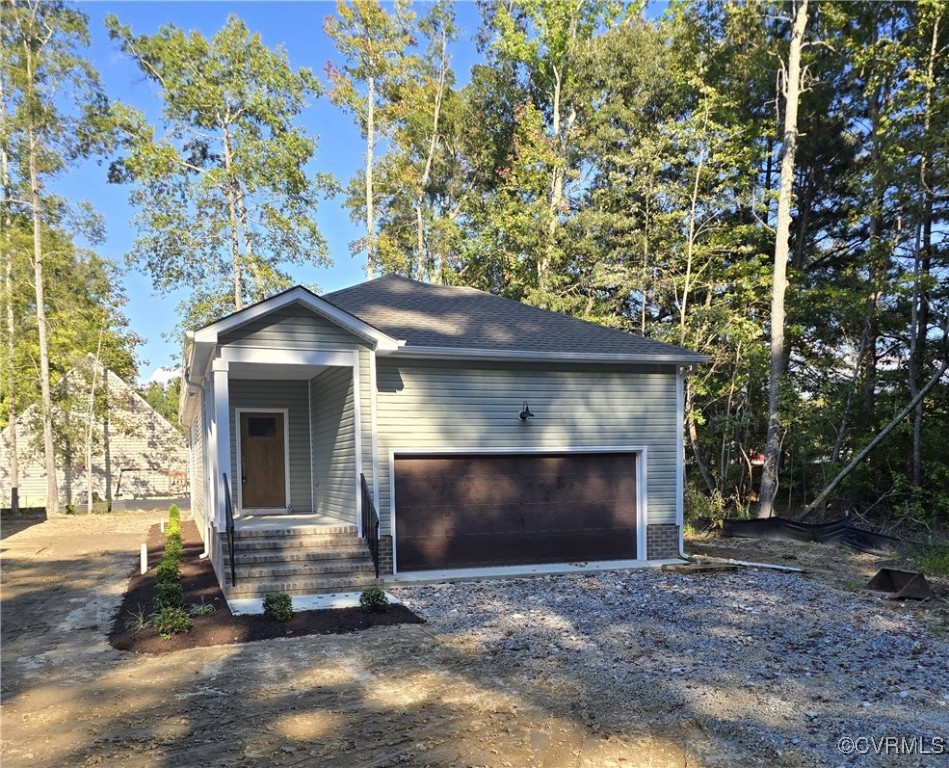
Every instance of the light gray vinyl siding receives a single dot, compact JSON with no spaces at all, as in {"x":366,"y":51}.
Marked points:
{"x":197,"y":469}
{"x":437,"y":406}
{"x":248,"y":394}
{"x":334,"y":442}
{"x":293,"y":327}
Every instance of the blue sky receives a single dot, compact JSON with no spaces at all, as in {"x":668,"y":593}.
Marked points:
{"x":298,"y":27}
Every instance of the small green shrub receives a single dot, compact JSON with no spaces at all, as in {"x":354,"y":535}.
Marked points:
{"x":167,"y":571}
{"x":699,"y":505}
{"x":174,"y":513}
{"x":138,"y":620}
{"x":200,"y":609}
{"x":278,"y":606}
{"x":170,"y":595}
{"x":172,"y":621}
{"x":373,"y":599}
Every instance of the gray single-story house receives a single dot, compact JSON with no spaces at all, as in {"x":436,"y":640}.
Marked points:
{"x":397,"y":428}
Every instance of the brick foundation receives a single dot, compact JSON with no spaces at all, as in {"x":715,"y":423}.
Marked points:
{"x":662,"y":541}
{"x":385,"y":556}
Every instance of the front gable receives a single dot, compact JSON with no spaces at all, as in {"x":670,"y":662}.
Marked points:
{"x":295,"y":303}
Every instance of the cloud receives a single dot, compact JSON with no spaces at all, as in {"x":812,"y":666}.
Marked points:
{"x":163,"y":375}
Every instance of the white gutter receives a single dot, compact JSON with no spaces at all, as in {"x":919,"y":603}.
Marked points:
{"x":681,"y":375}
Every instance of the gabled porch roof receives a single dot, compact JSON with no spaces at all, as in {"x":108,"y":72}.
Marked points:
{"x":201,"y":345}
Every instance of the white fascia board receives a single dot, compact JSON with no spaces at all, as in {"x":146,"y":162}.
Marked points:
{"x":197,"y":363}
{"x":314,"y":303}
{"x":466,"y":353}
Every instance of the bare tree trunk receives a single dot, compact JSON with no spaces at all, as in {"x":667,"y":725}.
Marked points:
{"x":922,"y":270}
{"x":46,"y":405}
{"x":370,"y":161}
{"x":769,"y":477}
{"x":12,"y":448}
{"x":235,"y":227}
{"x":423,"y":265}
{"x":695,"y":442}
{"x":92,"y":415}
{"x":555,"y":195}
{"x":690,"y":243}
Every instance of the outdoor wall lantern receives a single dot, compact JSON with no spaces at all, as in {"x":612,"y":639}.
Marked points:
{"x":525,"y":413}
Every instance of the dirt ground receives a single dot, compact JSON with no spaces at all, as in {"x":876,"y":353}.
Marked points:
{"x":828,"y":564}
{"x":220,"y":626}
{"x":386,"y":696}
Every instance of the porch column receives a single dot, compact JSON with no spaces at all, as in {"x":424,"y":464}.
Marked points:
{"x":222,"y":442}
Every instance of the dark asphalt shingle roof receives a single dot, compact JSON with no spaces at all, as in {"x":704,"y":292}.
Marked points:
{"x":425,"y":315}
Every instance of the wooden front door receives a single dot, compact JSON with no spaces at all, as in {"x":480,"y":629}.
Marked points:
{"x":263,"y":461}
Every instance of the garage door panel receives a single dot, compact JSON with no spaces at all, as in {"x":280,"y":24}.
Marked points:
{"x":469,"y":511}
{"x":484,"y":550}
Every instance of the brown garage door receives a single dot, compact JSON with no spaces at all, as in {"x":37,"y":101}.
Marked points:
{"x":475,"y":511}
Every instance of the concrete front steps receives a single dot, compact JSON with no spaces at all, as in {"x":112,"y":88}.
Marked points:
{"x":300,"y":560}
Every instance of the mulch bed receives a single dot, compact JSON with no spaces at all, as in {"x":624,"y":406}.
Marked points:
{"x":222,"y":627}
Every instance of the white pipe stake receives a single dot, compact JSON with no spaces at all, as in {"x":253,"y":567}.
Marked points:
{"x":144,"y":557}
{"x":161,"y":524}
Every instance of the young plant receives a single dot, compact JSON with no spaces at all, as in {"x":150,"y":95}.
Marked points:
{"x":138,"y":620}
{"x":172,"y":621}
{"x":278,"y":606}
{"x":373,"y":599}
{"x":167,"y":571}
{"x":170,"y":595}
{"x":200,"y":609}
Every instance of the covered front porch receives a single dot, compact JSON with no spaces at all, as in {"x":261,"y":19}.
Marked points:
{"x":286,"y":434}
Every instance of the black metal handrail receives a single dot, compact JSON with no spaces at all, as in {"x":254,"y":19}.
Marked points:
{"x":229,"y":517}
{"x":370,"y":523}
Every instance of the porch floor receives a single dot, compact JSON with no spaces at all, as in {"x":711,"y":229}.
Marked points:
{"x":287,"y":522}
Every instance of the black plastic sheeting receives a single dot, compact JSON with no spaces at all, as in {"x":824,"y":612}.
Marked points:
{"x":837,"y":532}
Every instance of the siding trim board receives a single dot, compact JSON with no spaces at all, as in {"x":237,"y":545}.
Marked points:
{"x":260,"y":356}
{"x":638,"y":452}
{"x":374,"y":426}
{"x":357,"y":437}
{"x":286,"y":453}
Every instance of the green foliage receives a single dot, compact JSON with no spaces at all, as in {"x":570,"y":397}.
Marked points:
{"x":278,"y":606}
{"x":934,"y":559}
{"x":169,"y":595}
{"x":138,"y":620}
{"x":171,"y":620}
{"x":699,"y":506}
{"x":200,"y":609}
{"x":173,"y":545}
{"x":373,"y":599}
{"x":167,"y":571}
{"x":164,"y":399}
{"x":223,"y":195}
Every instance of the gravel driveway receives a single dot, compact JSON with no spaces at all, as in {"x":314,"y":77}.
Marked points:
{"x":758,"y":665}
{"x":645,"y":668}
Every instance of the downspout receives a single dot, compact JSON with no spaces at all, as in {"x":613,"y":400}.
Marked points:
{"x":193,"y":389}
{"x":682,"y":374}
